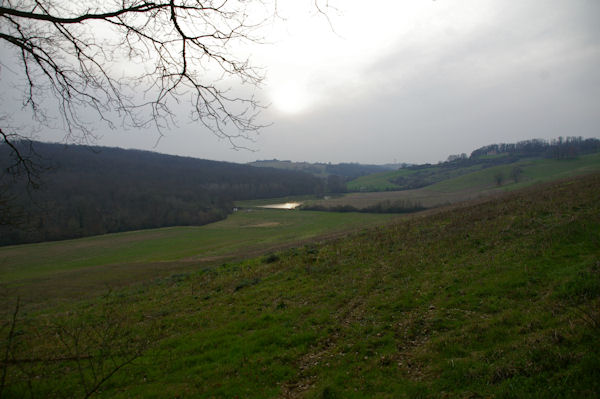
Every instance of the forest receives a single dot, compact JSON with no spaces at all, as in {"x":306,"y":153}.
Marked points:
{"x":85,"y":190}
{"x":560,"y":148}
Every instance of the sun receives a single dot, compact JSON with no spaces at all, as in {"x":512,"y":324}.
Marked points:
{"x":290,"y":97}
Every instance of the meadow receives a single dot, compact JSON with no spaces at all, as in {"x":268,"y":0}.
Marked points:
{"x":461,"y":185}
{"x":71,"y":268}
{"x":495,"y":298}
{"x":475,"y":176}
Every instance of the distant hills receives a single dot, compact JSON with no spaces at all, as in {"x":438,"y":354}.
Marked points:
{"x":87,"y":190}
{"x":505,"y":161}
{"x":402,"y":176}
{"x":320,"y":169}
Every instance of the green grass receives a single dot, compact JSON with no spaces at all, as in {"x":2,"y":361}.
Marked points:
{"x":474,"y":177}
{"x":472,"y":185}
{"x":377,"y":181}
{"x":144,"y":253}
{"x":534,"y":171}
{"x":497,"y":299}
{"x":385,"y":181}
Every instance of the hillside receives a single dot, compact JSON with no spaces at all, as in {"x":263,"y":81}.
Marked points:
{"x":467,"y":183}
{"x":96,"y":190}
{"x":495,"y":298}
{"x":507,"y":159}
{"x":92,"y":190}
{"x":344,"y":170}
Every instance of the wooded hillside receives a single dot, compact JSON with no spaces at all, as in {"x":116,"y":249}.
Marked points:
{"x":94,"y":190}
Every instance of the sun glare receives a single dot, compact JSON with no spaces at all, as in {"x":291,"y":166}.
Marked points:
{"x":290,"y":98}
{"x":329,"y":63}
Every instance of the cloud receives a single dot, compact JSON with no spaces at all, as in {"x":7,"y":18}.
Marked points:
{"x":415,"y":81}
{"x":522,"y":71}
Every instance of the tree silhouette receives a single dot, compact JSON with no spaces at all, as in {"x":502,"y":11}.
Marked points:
{"x":132,"y":61}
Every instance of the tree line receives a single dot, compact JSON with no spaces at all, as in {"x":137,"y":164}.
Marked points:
{"x":387,"y":206}
{"x":560,"y":148}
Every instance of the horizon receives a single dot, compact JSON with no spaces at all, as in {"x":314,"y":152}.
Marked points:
{"x":408,"y":82}
{"x":398,"y":163}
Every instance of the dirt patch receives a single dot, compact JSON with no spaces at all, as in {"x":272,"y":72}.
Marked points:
{"x":266,"y":224}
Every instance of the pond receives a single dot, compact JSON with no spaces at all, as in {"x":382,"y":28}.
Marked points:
{"x":287,"y":205}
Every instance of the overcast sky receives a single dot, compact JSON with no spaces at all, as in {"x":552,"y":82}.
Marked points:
{"x":411,"y":81}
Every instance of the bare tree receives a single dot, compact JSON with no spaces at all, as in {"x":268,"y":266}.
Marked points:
{"x":515,"y":173}
{"x":94,"y":345}
{"x":132,"y":61}
{"x":499,"y":178}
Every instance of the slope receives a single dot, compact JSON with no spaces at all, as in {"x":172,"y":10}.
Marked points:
{"x":497,"y":298}
{"x":63,"y":270}
{"x":494,"y":156}
{"x":468,"y":184}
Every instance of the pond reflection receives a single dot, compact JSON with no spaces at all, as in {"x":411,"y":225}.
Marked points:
{"x":287,"y":205}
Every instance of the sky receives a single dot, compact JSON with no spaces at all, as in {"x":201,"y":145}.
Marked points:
{"x":408,"y":81}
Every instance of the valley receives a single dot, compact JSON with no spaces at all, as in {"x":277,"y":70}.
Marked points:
{"x":471,"y":285}
{"x":498,"y":297}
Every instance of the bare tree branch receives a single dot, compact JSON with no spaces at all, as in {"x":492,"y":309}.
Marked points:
{"x":22,"y":163}
{"x":9,"y":343}
{"x":175,"y":51}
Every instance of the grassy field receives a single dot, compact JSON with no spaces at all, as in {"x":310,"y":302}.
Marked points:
{"x":377,"y":181}
{"x":472,"y":185}
{"x":535,"y":170}
{"x":497,"y":299}
{"x":385,"y":180}
{"x":70,"y":268}
{"x":427,"y":197}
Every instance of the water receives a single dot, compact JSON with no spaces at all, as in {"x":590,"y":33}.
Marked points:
{"x":287,"y":205}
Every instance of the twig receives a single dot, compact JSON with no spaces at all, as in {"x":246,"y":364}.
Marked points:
{"x":8,"y":345}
